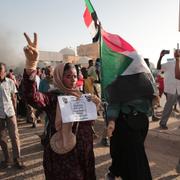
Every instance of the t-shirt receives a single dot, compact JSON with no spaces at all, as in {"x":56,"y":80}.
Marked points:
{"x":7,"y":88}
{"x":171,"y":84}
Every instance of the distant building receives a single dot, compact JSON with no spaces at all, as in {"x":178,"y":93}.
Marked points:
{"x":49,"y":58}
{"x":89,"y":50}
{"x":83,"y":60}
{"x":69,"y":55}
{"x":85,"y":52}
{"x":68,"y":51}
{"x":53,"y":58}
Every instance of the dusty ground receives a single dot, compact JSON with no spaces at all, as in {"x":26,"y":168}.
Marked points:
{"x":163,"y":149}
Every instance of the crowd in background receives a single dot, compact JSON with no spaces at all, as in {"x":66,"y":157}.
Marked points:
{"x":88,"y":81}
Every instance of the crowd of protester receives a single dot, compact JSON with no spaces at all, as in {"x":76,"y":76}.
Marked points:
{"x":35,"y":98}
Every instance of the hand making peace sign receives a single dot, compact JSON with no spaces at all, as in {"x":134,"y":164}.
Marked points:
{"x":31,"y":52}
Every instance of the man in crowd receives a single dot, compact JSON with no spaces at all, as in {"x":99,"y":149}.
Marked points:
{"x":11,"y":75}
{"x":8,"y":120}
{"x":171,"y":88}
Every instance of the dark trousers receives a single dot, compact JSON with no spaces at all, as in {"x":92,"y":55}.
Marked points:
{"x":129,"y":160}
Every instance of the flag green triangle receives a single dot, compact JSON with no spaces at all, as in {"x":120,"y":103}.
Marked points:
{"x":113,"y":64}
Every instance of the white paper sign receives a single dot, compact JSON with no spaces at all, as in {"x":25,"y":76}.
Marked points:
{"x":73,"y":110}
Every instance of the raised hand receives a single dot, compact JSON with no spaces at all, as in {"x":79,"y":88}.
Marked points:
{"x":31,"y":52}
{"x":177,"y":54}
{"x":164,"y":52}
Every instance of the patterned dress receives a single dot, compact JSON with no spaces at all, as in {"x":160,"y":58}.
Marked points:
{"x":79,"y":163}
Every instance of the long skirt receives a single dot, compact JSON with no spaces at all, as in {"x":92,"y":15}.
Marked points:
{"x":78,"y":164}
{"x":129,"y":160}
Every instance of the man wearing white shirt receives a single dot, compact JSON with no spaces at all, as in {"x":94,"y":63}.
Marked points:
{"x":171,"y":88}
{"x":8,"y":120}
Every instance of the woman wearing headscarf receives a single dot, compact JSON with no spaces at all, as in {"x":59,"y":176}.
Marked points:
{"x":129,"y":105}
{"x":68,"y":152}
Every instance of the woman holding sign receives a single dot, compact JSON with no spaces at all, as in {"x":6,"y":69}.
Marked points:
{"x":68,"y":152}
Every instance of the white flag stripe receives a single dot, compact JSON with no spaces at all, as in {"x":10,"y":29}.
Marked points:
{"x":92,"y":29}
{"x":138,"y":64}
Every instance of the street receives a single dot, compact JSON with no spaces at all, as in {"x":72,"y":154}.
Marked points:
{"x":162,"y":148}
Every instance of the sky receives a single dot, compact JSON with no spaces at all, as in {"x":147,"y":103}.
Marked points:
{"x":148,"y":25}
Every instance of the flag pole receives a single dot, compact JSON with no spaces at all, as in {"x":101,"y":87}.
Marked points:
{"x":103,"y":98}
{"x":100,"y":40}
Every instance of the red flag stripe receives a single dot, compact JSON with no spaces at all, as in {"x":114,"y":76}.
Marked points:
{"x":116,"y":43}
{"x":87,"y":17}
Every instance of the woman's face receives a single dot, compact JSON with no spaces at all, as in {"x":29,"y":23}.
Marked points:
{"x":70,"y":78}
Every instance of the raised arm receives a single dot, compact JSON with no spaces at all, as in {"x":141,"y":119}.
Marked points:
{"x":163,"y":52}
{"x":30,"y":92}
{"x":177,"y":66}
